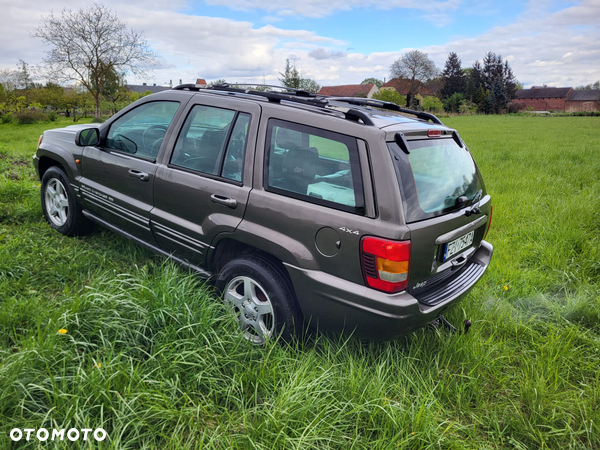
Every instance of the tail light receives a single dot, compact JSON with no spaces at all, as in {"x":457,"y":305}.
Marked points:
{"x":40,"y":140}
{"x":490,"y":222}
{"x":385,"y":263}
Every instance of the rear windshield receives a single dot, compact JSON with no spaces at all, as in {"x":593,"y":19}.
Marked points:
{"x":436,"y":178}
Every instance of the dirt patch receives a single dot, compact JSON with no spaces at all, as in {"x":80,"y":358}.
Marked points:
{"x":20,"y":163}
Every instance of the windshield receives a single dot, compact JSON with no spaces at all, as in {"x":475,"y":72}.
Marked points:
{"x":437,"y":177}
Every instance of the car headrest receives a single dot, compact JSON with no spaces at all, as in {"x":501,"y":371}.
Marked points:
{"x":288,"y":139}
{"x":301,"y":163}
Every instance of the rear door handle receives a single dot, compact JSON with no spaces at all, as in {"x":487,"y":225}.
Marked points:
{"x":138,"y":174}
{"x":225,"y":201}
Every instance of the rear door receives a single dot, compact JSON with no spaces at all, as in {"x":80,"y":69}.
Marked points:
{"x":446,"y":207}
{"x":201,"y":188}
{"x":118,"y":175}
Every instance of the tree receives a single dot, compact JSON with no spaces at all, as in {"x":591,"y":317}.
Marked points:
{"x":374,"y":81}
{"x":475,"y":82}
{"x":509,"y":81}
{"x":454,"y":77}
{"x":414,"y":66}
{"x":308,"y":85}
{"x":499,"y":95}
{"x":293,"y":79}
{"x":89,"y":45}
{"x":492,"y":69}
{"x":595,"y":86}
{"x":290,"y":76}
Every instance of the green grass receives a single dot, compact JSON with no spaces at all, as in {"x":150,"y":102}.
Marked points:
{"x":150,"y":356}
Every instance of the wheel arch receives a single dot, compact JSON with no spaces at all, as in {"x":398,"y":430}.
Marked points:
{"x":228,"y":249}
{"x":56,"y":156}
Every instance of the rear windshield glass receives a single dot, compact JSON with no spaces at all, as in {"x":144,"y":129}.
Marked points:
{"x":437,"y":177}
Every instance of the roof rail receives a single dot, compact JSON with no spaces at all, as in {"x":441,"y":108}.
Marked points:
{"x":386,"y":105}
{"x":288,"y":94}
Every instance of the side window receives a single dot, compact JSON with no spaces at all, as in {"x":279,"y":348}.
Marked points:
{"x":213,"y":141}
{"x":234,"y":158}
{"x":314,"y":165}
{"x":142,"y":130}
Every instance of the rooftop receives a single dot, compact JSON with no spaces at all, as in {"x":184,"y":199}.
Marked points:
{"x":543,"y":92}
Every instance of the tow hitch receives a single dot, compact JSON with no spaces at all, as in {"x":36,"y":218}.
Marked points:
{"x":441,"y":321}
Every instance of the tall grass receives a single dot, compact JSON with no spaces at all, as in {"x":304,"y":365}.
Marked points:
{"x":151,"y":356}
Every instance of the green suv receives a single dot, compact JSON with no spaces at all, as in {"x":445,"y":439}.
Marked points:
{"x":345,"y":214}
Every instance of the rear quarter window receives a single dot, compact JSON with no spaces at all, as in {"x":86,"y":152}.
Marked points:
{"x":318,"y":166}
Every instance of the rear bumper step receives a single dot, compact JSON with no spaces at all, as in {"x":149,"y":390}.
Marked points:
{"x":453,"y":286}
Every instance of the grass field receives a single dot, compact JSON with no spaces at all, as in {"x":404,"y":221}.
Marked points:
{"x":150,"y":356}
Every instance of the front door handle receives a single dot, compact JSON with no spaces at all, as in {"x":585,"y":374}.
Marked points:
{"x":225,"y":201}
{"x":138,"y":174}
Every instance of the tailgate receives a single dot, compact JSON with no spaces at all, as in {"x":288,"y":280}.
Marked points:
{"x":446,"y":207}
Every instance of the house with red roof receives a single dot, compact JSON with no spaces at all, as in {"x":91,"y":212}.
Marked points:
{"x":402,"y":87}
{"x":542,"y":98}
{"x":350,"y":90}
{"x":583,"y":100}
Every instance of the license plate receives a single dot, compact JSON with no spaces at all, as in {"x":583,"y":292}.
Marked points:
{"x":452,"y":248}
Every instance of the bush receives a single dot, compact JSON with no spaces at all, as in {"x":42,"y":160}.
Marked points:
{"x":390,"y":96}
{"x":53,"y":116}
{"x":7,"y":118}
{"x":452,"y":104}
{"x":467,"y":108}
{"x":30,"y":116}
{"x":97,"y":120}
{"x":433,"y":104}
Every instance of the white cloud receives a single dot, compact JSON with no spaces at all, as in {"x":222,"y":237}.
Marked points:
{"x":555,"y":48}
{"x":321,"y":8}
{"x":321,"y":53}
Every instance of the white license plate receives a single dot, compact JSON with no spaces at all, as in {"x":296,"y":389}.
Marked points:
{"x":452,"y":248}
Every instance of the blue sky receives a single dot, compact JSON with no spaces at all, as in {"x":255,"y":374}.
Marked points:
{"x":551,"y":42}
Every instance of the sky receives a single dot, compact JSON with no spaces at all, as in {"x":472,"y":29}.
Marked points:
{"x":334,"y":42}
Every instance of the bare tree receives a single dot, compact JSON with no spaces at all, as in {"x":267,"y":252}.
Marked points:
{"x":415,"y":66}
{"x":90,"y":45}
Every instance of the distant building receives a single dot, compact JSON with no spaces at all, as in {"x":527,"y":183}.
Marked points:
{"x":543,"y":98}
{"x":201,"y":81}
{"x":585,"y":100}
{"x":402,"y":87}
{"x":350,"y":90}
{"x":145,"y":87}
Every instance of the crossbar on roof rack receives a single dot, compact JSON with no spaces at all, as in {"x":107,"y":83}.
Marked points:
{"x":385,"y":105}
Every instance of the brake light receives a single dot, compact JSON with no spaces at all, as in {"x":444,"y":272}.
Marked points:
{"x":490,"y":222}
{"x":385,"y":263}
{"x":434,"y":133}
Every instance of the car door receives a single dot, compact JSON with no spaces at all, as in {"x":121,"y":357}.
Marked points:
{"x":118,"y":175}
{"x":202,"y":187}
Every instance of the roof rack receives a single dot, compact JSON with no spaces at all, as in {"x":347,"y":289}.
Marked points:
{"x":289,"y":94}
{"x":306,"y":98}
{"x":386,"y":105}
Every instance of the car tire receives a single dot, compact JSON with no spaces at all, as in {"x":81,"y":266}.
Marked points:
{"x":262,"y":298}
{"x":60,"y":207}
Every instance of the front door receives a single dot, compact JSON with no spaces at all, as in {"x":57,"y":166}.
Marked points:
{"x":118,"y":175}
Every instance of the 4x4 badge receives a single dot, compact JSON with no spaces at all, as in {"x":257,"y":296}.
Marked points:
{"x":348,"y":230}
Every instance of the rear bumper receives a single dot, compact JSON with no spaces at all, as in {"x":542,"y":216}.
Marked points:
{"x":333,"y":304}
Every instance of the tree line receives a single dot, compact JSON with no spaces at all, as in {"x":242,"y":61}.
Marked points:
{"x":107,"y":51}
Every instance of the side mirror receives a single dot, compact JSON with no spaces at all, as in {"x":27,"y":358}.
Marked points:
{"x":87,"y":137}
